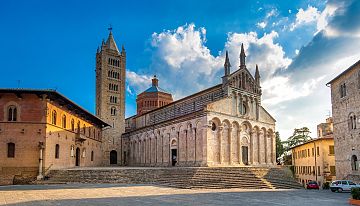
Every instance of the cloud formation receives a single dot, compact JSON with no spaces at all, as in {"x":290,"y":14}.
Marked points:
{"x":294,"y":90}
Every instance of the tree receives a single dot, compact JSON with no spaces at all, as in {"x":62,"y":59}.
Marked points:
{"x":299,"y":136}
{"x":279,"y":146}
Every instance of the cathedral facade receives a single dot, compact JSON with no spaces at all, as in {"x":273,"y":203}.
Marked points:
{"x":224,"y":125}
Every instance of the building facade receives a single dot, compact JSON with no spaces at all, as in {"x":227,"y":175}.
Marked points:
{"x":224,"y":125}
{"x":345,"y":99}
{"x":110,"y":97}
{"x":42,"y":130}
{"x":315,"y":159}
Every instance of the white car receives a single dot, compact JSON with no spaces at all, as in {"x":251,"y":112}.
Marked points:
{"x":342,"y":185}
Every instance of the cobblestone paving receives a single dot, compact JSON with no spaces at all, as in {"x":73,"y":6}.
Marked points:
{"x":118,"y":194}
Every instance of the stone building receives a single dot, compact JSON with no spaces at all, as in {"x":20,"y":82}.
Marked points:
{"x":152,"y":98}
{"x":43,"y":124}
{"x":315,"y":159}
{"x":345,"y":99}
{"x":224,"y":125}
{"x":110,"y":97}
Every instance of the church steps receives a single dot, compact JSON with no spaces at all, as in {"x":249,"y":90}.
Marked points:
{"x":221,"y":177}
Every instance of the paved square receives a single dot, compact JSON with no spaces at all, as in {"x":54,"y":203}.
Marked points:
{"x":121,"y":194}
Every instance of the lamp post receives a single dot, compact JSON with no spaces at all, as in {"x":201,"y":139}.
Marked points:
{"x":40,"y":175}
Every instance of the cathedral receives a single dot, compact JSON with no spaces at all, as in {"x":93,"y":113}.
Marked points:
{"x":224,"y":125}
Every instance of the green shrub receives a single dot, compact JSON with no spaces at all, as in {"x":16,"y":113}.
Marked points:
{"x":355,"y":193}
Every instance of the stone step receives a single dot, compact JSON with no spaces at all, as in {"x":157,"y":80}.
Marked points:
{"x":232,"y":177}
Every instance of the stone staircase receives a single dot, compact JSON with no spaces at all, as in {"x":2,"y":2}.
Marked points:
{"x":181,"y":177}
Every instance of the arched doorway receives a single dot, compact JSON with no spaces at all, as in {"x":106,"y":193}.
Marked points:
{"x":174,"y":152}
{"x":77,"y":157}
{"x":354,"y":163}
{"x":245,"y":151}
{"x":113,"y":157}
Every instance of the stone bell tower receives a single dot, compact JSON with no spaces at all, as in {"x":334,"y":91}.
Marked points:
{"x":110,"y":97}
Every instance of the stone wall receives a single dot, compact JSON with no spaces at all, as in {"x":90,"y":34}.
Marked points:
{"x":343,"y":108}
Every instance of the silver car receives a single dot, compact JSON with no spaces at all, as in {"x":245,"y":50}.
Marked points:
{"x":342,"y":185}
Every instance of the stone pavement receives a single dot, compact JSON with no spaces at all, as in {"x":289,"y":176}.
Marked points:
{"x":121,"y":194}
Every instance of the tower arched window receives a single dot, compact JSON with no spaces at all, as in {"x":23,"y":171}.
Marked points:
{"x":57,"y":151}
{"x":12,"y":113}
{"x":352,"y":121}
{"x":64,"y":121}
{"x":11,"y":150}
{"x":113,"y":111}
{"x":53,"y":119}
{"x":92,"y":155}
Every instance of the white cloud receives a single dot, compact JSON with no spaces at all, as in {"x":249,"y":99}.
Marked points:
{"x":296,"y":51}
{"x":269,"y":56}
{"x":261,"y":24}
{"x":310,"y":15}
{"x":271,"y":13}
{"x":137,"y":82}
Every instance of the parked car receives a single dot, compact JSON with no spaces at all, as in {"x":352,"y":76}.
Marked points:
{"x":312,"y":185}
{"x":342,"y":185}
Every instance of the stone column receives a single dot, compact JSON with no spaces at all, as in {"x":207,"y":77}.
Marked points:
{"x":266,"y":147}
{"x":41,"y":149}
{"x":194,"y":131}
{"x":251,"y":148}
{"x":230,"y":144}
{"x":219,"y":137}
{"x":239,"y":146}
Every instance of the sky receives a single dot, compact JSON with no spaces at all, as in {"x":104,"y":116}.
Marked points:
{"x":298,"y":45}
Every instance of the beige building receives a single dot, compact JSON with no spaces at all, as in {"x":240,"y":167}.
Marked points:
{"x":42,"y":130}
{"x":315,"y":159}
{"x":224,"y":125}
{"x":345,"y":99}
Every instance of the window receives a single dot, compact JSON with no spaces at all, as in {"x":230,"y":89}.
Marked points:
{"x":312,"y":152}
{"x":331,"y":150}
{"x":92,"y":155}
{"x":318,"y":174}
{"x":84,"y":127}
{"x":72,"y":125}
{"x":64,"y":121}
{"x":113,"y":111}
{"x":242,"y":109}
{"x":332,"y":170}
{"x":11,"y":150}
{"x":78,"y":127}
{"x":53,"y":120}
{"x":12,"y":113}
{"x":318,"y":151}
{"x":354,"y":163}
{"x":352,"y":121}
{"x":342,"y":90}
{"x":57,"y":149}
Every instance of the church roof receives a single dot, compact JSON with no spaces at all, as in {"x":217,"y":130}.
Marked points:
{"x":155,"y":89}
{"x":110,"y":42}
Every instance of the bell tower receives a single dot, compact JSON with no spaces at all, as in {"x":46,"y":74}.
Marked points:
{"x":110,"y":97}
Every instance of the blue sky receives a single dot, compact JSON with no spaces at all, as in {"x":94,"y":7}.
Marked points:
{"x":299,"y":46}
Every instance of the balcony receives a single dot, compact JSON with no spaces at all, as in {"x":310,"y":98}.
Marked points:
{"x":80,"y":138}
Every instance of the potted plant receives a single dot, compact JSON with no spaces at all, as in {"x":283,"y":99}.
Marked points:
{"x":355,"y":196}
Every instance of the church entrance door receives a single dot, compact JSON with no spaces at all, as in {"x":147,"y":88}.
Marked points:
{"x":77,"y":157}
{"x":245,"y":153}
{"x":113,"y":157}
{"x":173,"y":157}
